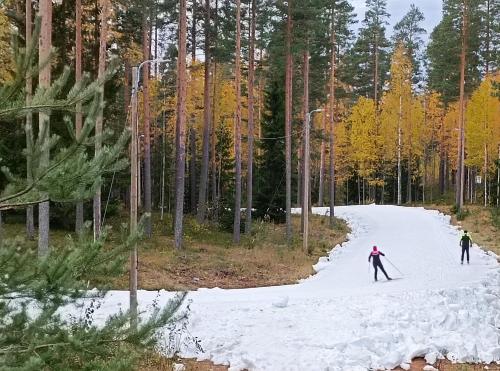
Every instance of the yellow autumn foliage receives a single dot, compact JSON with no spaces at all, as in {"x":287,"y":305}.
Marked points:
{"x":482,"y":127}
{"x":6,"y":56}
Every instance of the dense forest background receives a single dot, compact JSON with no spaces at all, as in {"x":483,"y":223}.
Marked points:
{"x":222,"y":120}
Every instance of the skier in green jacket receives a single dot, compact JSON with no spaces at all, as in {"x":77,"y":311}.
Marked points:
{"x":465,"y":242}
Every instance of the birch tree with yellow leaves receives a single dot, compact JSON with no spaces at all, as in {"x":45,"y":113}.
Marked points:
{"x":364,"y":138}
{"x":396,"y":112}
{"x":482,"y":133}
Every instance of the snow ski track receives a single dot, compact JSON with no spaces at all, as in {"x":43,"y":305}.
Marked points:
{"x":338,"y":319}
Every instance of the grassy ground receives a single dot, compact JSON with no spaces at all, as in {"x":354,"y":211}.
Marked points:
{"x":481,"y":222}
{"x":210,"y":259}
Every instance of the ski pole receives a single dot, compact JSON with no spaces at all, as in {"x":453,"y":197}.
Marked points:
{"x":369,"y":273}
{"x":394,"y":266}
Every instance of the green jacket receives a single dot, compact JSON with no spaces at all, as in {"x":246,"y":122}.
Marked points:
{"x":466,"y":241}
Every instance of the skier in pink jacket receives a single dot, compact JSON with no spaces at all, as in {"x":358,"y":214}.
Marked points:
{"x":375,"y":254}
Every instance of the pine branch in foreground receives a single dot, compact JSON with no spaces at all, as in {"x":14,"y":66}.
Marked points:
{"x":46,"y":309}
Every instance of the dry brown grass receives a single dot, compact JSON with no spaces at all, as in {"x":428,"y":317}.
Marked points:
{"x":479,"y":223}
{"x":209,"y":259}
{"x":154,"y":362}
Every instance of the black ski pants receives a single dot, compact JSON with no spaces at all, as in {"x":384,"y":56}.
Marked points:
{"x":379,"y":265}
{"x":465,"y":249}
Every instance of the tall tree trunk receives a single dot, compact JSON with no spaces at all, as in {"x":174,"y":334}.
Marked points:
{"x":213,"y":136}
{"x":306,"y":176}
{"x":251,"y":73}
{"x":488,"y":36}
{"x":237,"y":139}
{"x":79,"y":115}
{"x":260,"y":104}
{"x":424,"y":178}
{"x":322,"y":150}
{"x":126,"y":86}
{"x":30,"y":222}
{"x":192,"y":168}
{"x":299,"y":178}
{"x":375,"y":77}
{"x":147,"y":114}
{"x":99,"y":121}
{"x":202,"y":196}
{"x":485,"y":175}
{"x":359,"y":191}
{"x":409,"y":195}
{"x":44,"y":77}
{"x":193,"y":33}
{"x":180,"y":153}
{"x":213,"y":142}
{"x":332,"y":121}
{"x":288,"y":123}
{"x":364,"y":195}
{"x":400,"y":119}
{"x":498,"y":177}
{"x":461,"y":150}
{"x":382,"y":195}
{"x":157,"y":65}
{"x":163,"y":163}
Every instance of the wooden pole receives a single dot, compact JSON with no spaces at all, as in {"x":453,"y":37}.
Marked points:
{"x":79,"y":115}
{"x":133,"y":196}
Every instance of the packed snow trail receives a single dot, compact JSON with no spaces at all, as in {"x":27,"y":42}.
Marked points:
{"x":339,"y":319}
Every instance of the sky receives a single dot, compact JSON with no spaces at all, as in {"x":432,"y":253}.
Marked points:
{"x":398,"y":8}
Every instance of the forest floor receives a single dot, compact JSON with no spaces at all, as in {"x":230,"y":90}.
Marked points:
{"x":209,"y":257}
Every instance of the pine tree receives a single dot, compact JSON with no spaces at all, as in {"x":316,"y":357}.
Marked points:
{"x":368,"y":61}
{"x":270,"y":200}
{"x":408,"y":31}
{"x":45,"y":338}
{"x":444,"y":50}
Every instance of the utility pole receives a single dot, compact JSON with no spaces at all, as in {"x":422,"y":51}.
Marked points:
{"x":134,"y":182}
{"x":133,"y":196}
{"x":306,"y":194}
